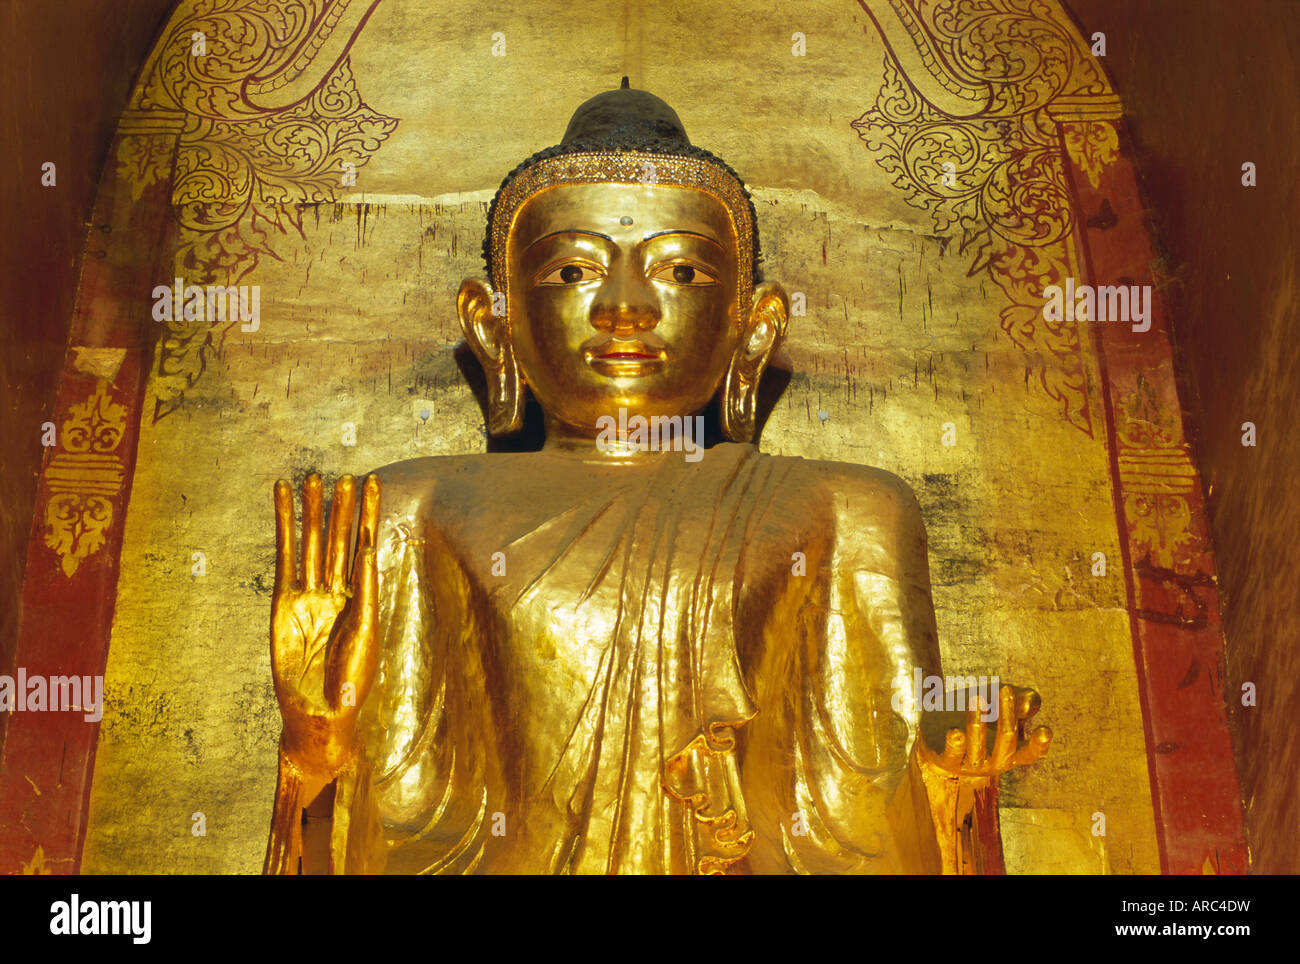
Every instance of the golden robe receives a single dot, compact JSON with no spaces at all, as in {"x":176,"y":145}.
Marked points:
{"x":665,"y":667}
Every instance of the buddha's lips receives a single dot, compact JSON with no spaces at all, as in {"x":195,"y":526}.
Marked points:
{"x":618,"y":352}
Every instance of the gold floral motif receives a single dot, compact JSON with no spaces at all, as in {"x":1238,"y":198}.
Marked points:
{"x":84,"y":478}
{"x":95,"y":425}
{"x":995,"y":177}
{"x":77,"y":527}
{"x":144,"y":160}
{"x":1143,"y":424}
{"x":1160,"y":526}
{"x":1156,"y":476}
{"x":271,"y":122}
{"x":1092,"y":146}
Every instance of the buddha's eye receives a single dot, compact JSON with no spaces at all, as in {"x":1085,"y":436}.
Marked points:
{"x":572,"y":273}
{"x":679,"y":273}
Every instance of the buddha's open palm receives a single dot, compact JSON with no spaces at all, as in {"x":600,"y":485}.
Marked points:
{"x":324,"y":634}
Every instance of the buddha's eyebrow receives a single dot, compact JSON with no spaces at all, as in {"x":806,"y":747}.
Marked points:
{"x":606,"y":237}
{"x":553,"y":234}
{"x":692,"y":234}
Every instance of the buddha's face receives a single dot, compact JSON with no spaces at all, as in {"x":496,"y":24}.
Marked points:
{"x":622,"y":295}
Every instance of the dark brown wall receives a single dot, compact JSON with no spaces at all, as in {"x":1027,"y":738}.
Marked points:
{"x":66,"y":70}
{"x":1208,"y":86}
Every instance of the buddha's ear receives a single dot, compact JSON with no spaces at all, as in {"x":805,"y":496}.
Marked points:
{"x":488,"y":335}
{"x":762,"y":333}
{"x":484,"y":331}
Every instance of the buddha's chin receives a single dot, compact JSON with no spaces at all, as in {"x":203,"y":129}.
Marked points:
{"x":582,"y":400}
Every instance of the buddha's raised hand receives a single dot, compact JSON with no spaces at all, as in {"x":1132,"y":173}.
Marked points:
{"x":965,"y":754}
{"x":324,"y":634}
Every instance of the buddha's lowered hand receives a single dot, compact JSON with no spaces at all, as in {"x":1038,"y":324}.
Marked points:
{"x":966,"y":754}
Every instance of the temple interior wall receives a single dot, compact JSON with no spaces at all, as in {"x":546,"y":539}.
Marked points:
{"x":1206,"y":87}
{"x":358,"y":327}
{"x":61,"y":91}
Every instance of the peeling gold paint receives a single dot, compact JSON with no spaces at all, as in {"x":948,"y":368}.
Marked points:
{"x":37,"y":864}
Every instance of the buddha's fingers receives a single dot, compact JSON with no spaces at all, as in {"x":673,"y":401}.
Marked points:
{"x":350,"y":666}
{"x":340,"y":533}
{"x":285,"y":550}
{"x":313,"y":561}
{"x":976,"y":749}
{"x":1004,"y":741}
{"x":1035,"y":749}
{"x":369,"y":513}
{"x":954,"y":748}
{"x":1028,"y":703}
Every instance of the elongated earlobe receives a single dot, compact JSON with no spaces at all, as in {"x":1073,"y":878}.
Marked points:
{"x":487,"y":334}
{"x":763,"y":333}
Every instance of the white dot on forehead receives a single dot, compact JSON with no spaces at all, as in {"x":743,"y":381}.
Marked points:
{"x":625,"y":220}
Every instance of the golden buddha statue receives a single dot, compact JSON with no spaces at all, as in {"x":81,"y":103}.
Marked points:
{"x":623,"y":652}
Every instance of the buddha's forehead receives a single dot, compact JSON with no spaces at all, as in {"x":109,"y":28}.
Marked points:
{"x":623,"y":212}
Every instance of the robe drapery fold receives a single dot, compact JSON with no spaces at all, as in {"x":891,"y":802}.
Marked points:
{"x":585,"y":708}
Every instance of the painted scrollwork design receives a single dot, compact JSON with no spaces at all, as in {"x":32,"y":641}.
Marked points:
{"x":1157,"y":476}
{"x":1025,"y":51}
{"x":1093,"y":147}
{"x":76,"y":526}
{"x":95,"y":425}
{"x":273,"y":122}
{"x":993,"y":178}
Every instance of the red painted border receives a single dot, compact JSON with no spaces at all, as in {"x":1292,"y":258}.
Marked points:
{"x":47,"y":758}
{"x":1174,"y":609}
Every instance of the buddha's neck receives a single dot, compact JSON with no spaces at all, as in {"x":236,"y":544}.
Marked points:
{"x":615,"y":449}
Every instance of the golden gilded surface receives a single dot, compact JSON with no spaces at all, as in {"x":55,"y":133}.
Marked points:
{"x":358,"y":327}
{"x":644,"y":169}
{"x":620,"y":660}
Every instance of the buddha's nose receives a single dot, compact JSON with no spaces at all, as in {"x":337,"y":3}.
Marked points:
{"x":625,"y":303}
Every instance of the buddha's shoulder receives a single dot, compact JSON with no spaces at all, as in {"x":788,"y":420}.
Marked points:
{"x":850,"y":488}
{"x":425,"y":469}
{"x":413,"y":484}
